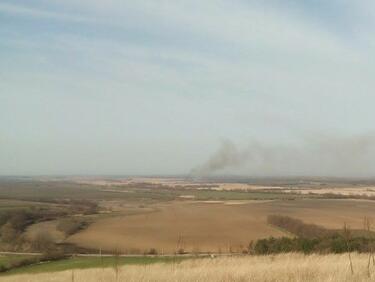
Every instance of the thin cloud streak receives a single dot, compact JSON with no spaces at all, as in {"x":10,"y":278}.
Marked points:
{"x":188,"y":73}
{"x":41,"y":14}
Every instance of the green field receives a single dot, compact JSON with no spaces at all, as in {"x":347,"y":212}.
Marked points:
{"x":87,"y":262}
{"x":5,"y":260}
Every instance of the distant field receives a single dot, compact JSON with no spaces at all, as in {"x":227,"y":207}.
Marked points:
{"x":133,"y":192}
{"x":174,"y":215}
{"x":288,"y":267}
{"x":187,"y":226}
{"x":346,"y":191}
{"x":216,"y":226}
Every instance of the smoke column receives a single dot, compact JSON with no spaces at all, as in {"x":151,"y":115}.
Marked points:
{"x":315,"y":156}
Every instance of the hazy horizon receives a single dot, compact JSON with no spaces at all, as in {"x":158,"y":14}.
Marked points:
{"x":282,"y":88}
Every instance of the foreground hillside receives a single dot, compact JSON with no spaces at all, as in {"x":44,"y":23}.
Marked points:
{"x":286,"y":267}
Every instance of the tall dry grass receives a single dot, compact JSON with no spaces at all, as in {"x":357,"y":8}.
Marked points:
{"x":285,"y":267}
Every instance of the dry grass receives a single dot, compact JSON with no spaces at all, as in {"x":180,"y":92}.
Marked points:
{"x":288,"y":267}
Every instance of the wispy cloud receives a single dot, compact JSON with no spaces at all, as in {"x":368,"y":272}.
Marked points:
{"x":25,"y":11}
{"x":186,"y":72}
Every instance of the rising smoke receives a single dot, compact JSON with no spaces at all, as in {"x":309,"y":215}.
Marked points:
{"x":316,"y":156}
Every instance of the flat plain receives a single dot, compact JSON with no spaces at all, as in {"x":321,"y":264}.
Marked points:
{"x":172,"y":215}
{"x":214,"y":226}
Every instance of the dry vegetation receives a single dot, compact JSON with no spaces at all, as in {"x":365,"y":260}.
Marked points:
{"x":298,"y":227}
{"x":173,"y":216}
{"x":285,"y":267}
{"x":193,"y":227}
{"x":215,"y":227}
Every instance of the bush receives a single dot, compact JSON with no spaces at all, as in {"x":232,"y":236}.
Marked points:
{"x":8,"y":233}
{"x":13,"y":223}
{"x":181,"y":251}
{"x":338,"y":245}
{"x":298,"y":227}
{"x":152,"y":251}
{"x":331,"y":244}
{"x":71,"y":226}
{"x":42,"y":241}
{"x":23,"y":262}
{"x":53,"y":254}
{"x":307,"y":246}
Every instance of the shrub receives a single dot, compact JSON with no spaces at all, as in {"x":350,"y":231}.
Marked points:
{"x":71,"y":226}
{"x":338,"y":245}
{"x":307,"y":246}
{"x":181,"y":251}
{"x":298,"y":227}
{"x":152,"y":251}
{"x":42,"y":241}
{"x":13,"y":223}
{"x":53,"y":254}
{"x":8,"y":233}
{"x":335,"y":244}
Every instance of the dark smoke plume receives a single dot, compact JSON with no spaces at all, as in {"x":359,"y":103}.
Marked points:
{"x":315,"y":156}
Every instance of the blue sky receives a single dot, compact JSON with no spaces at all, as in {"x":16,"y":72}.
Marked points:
{"x":154,"y":87}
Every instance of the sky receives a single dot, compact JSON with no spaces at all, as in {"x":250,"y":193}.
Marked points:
{"x":121,"y":87}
